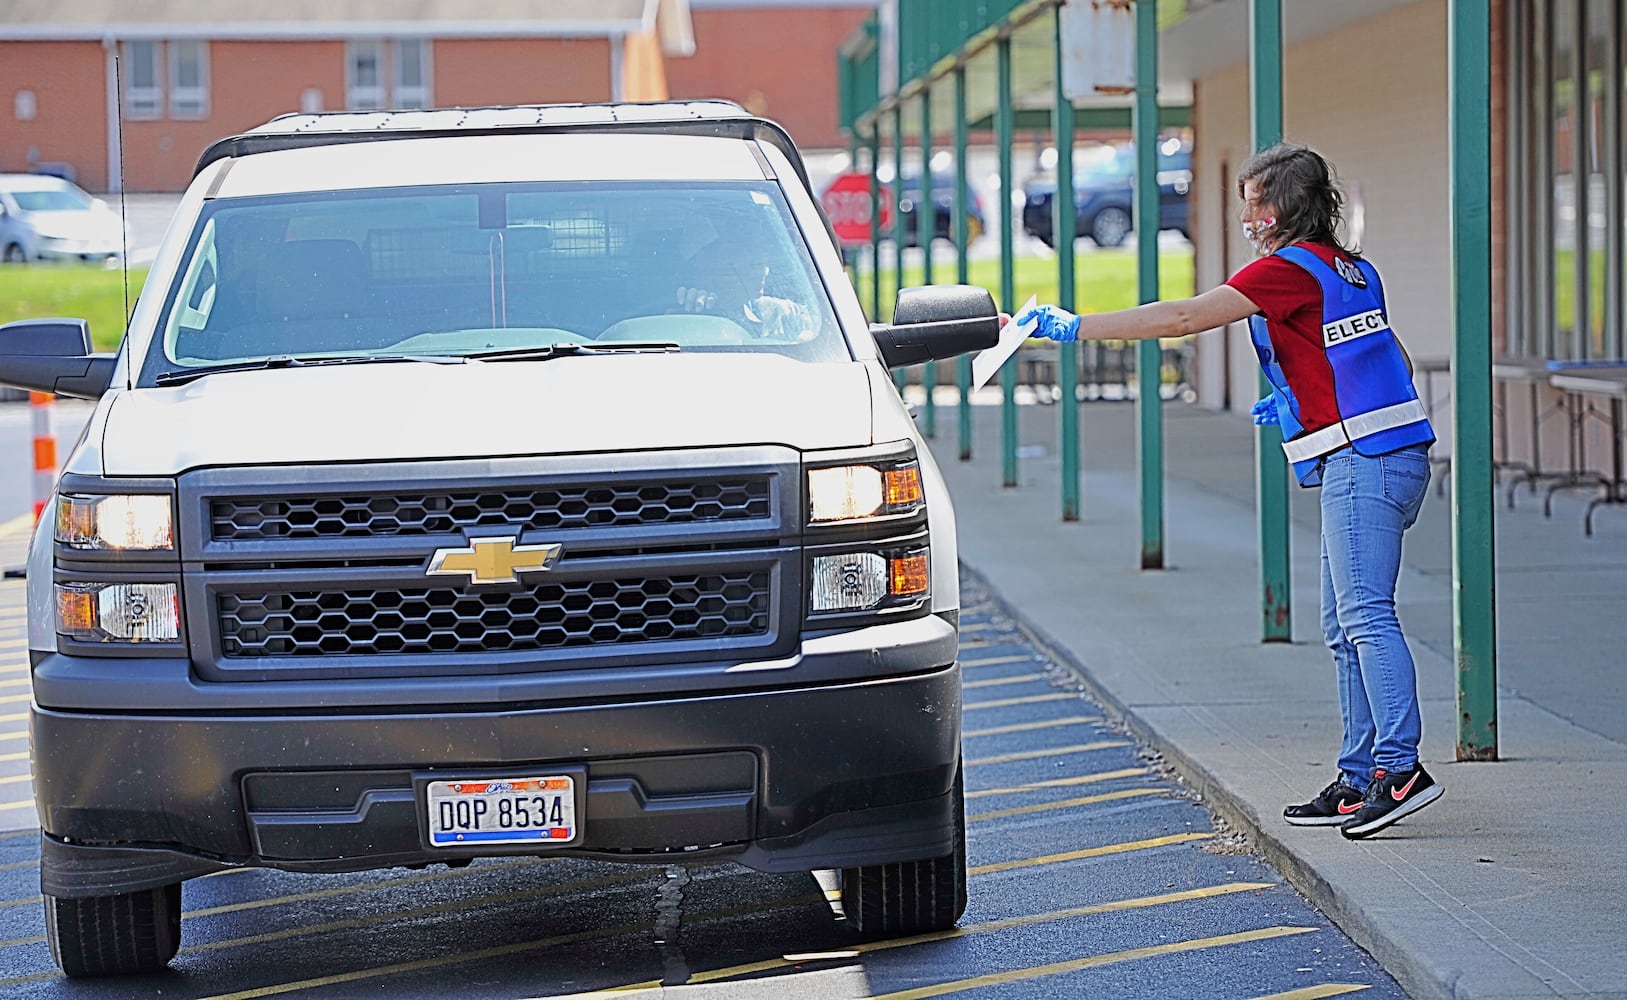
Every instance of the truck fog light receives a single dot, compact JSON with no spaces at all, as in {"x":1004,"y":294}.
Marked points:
{"x":115,"y":521}
{"x":910,"y":574}
{"x":849,"y":582}
{"x":119,"y":612}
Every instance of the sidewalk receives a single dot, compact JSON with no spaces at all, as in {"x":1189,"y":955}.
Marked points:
{"x":1513,"y":884}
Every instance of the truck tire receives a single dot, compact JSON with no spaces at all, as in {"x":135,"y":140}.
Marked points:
{"x":114,"y":935}
{"x":910,"y":897}
{"x":1110,"y":226}
{"x":14,"y":254}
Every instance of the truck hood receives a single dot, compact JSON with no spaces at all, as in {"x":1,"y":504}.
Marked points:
{"x":403,"y":411}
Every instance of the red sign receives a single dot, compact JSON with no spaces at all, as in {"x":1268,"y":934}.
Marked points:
{"x":847,"y":202}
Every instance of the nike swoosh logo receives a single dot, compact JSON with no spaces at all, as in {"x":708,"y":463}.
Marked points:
{"x":1352,"y":807}
{"x":1400,"y":793}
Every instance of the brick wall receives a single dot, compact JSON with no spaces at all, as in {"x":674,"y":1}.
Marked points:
{"x":68,"y":81}
{"x":779,"y":63}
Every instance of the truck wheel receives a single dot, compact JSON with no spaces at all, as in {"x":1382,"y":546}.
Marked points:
{"x":1110,"y":227}
{"x":910,"y":897}
{"x":14,"y":254}
{"x":115,"y":935}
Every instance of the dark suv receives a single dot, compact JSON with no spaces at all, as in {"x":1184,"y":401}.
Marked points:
{"x":1104,"y":196}
{"x":943,"y":210}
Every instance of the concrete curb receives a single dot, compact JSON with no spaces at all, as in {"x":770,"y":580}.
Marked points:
{"x":1409,"y":969}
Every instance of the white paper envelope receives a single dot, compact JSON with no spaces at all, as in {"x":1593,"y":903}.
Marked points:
{"x":986,"y":363}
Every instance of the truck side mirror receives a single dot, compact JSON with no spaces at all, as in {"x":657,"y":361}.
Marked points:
{"x":936,"y":322}
{"x":53,"y":355}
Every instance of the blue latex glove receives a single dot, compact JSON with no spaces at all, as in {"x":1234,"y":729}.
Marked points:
{"x":1052,"y":323}
{"x":1265,"y":411}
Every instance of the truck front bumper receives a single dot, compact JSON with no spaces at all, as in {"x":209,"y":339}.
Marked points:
{"x":791,"y":778}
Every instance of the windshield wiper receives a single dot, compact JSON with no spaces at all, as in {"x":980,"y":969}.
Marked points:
{"x":551,"y":351}
{"x":185,"y":375}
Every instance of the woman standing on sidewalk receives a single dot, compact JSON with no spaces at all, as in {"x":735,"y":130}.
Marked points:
{"x":1353,"y":425}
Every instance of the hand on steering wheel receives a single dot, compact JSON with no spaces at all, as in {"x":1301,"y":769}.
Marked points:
{"x":696,"y":300}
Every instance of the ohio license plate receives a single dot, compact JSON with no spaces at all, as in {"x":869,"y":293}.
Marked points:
{"x":502,"y":811}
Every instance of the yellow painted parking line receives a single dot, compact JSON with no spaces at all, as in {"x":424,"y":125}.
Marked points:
{"x":19,"y":804}
{"x":12,"y":699}
{"x":992,"y":926}
{"x":1008,"y":702}
{"x":19,"y":755}
{"x":373,"y":920}
{"x":15,"y":734}
{"x":1007,"y":758}
{"x":1127,"y":793}
{"x":1093,"y":961}
{"x":1128,"y":847}
{"x":13,"y":866}
{"x":1024,"y":727}
{"x":22,"y":522}
{"x":12,"y":779}
{"x":14,"y":717}
{"x":519,"y":947}
{"x":390,"y":883}
{"x":29,"y":901}
{"x":19,"y":682}
{"x":1083,"y":779}
{"x":1317,"y":992}
{"x":994,"y":661}
{"x":1001,"y":681}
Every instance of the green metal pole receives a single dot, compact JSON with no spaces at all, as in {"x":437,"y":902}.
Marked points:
{"x":875,"y":224}
{"x":1474,"y":625}
{"x":926,"y":228}
{"x":1004,"y":127}
{"x":963,"y":364}
{"x":1149,"y":354}
{"x":900,"y":375}
{"x":1271,"y":466}
{"x":850,"y":254}
{"x":1063,"y":225}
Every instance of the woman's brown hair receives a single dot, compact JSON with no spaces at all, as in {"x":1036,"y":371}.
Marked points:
{"x":1299,"y":185}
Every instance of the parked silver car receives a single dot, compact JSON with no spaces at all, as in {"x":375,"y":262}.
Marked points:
{"x":48,"y":218}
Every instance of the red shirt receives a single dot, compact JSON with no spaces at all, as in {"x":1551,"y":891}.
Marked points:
{"x":1291,"y":301}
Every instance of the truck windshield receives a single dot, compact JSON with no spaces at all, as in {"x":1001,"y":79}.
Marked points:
{"x":475,"y":269}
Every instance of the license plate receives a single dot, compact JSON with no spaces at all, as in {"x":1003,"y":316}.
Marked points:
{"x":502,"y":811}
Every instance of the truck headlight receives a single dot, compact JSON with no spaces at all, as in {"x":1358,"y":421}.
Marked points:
{"x":115,"y":521}
{"x":856,"y":492}
{"x":860,"y":581}
{"x":119,"y":612}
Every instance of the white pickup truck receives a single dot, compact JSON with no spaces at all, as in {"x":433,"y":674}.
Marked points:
{"x":492,"y":482}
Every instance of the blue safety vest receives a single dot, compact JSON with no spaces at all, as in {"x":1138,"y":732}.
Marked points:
{"x":1372,"y":391}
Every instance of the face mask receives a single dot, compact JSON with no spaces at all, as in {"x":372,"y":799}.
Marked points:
{"x":1254,"y":232}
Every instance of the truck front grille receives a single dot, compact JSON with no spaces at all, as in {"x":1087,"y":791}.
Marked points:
{"x":364,"y":515}
{"x":556,"y":615}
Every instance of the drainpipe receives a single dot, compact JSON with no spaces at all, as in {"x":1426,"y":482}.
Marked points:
{"x":115,"y":151}
{"x":618,"y":68}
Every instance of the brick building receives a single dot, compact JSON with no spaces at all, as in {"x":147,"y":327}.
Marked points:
{"x":125,"y":94}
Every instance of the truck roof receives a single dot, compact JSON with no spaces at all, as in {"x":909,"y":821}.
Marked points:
{"x":706,"y":118}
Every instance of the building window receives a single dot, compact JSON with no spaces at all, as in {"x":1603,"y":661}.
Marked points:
{"x":189,"y":79}
{"x":364,"y":88}
{"x":1566,"y":229}
{"x":412,"y":73}
{"x":387,"y":74}
{"x":143,"y":86}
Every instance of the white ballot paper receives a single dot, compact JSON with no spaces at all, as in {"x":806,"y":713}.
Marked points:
{"x":986,"y":363}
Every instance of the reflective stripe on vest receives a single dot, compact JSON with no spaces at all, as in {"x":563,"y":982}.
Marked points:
{"x":1372,"y":390}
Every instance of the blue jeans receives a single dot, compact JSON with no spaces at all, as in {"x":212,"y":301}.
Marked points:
{"x":1367,"y":503}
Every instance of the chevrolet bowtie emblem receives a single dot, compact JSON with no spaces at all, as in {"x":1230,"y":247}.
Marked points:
{"x":493,"y":560}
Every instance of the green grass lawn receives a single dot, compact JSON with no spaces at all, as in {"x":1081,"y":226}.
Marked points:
{"x":73,"y":292}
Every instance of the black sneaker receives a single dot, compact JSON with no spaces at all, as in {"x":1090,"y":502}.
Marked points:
{"x":1333,"y":805}
{"x":1390,"y":797}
